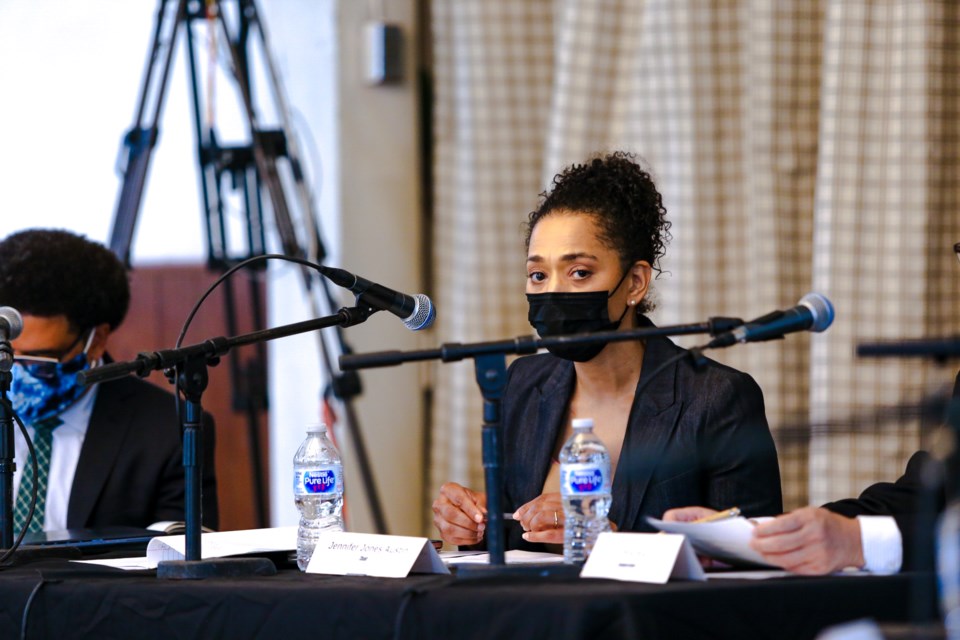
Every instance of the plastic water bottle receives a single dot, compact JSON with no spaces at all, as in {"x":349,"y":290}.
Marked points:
{"x":318,"y":491}
{"x":585,"y":488}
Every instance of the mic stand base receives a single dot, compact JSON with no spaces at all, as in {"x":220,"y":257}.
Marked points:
{"x":557,"y":570}
{"x":215,"y":568}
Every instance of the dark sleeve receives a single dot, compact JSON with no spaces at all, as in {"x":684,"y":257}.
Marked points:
{"x":888,"y":498}
{"x":913,"y":501}
{"x":737,"y":451}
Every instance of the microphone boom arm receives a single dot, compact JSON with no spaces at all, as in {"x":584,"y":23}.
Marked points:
{"x":523,"y":345}
{"x":213,"y":348}
{"x":490,"y":366}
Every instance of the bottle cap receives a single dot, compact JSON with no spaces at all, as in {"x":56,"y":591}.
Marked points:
{"x":317,"y":428}
{"x":582,"y":423}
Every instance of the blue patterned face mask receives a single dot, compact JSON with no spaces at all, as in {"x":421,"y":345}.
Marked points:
{"x":44,"y":388}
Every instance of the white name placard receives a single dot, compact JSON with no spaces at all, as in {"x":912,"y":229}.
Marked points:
{"x":369,"y":554}
{"x":642,"y":557}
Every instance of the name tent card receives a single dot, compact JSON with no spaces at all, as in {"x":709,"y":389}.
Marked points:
{"x":369,"y":554}
{"x":642,"y":557}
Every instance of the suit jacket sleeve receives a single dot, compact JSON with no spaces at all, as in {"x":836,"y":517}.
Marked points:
{"x":738,"y":454}
{"x":714,"y":448}
{"x":912,"y":501}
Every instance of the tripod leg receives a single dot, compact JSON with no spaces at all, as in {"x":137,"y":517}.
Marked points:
{"x":140,"y":140}
{"x":265,"y":160}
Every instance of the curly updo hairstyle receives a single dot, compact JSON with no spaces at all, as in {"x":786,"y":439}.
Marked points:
{"x":625,"y":203}
{"x":51,"y":272}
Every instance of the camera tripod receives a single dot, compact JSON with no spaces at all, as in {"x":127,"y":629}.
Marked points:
{"x":271,"y":161}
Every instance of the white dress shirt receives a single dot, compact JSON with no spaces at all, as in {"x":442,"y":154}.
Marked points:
{"x":882,"y":544}
{"x":64,"y":456}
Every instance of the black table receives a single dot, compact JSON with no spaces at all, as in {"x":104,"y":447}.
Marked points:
{"x":64,"y":600}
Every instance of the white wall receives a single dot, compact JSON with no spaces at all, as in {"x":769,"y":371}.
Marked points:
{"x":381,"y":239}
{"x":69,"y":77}
{"x":369,"y":141}
{"x":70,"y":73}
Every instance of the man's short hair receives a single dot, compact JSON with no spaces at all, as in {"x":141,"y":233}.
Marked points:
{"x":51,"y":272}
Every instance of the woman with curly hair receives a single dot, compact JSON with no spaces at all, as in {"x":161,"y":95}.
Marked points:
{"x":694,"y":436}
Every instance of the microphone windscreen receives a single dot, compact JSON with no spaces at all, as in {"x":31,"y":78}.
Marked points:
{"x":820,"y":309}
{"x":14,"y":321}
{"x":423,"y":313}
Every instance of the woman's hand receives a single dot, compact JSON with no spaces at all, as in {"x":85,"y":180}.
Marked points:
{"x":460,"y":514}
{"x":542,"y":519}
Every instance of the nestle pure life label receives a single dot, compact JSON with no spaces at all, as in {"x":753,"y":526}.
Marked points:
{"x":585,"y":479}
{"x":324,"y":479}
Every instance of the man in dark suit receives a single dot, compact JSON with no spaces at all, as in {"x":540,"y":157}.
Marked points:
{"x":889,"y":527}
{"x":110,"y":454}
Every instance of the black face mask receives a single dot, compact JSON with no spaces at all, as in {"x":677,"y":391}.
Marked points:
{"x":557,"y":314}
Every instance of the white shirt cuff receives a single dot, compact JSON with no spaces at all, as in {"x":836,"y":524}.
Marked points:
{"x":882,"y":544}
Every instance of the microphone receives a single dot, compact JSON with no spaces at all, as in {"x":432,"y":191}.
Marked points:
{"x":11,"y":324}
{"x":814,"y":313}
{"x":416,"y":311}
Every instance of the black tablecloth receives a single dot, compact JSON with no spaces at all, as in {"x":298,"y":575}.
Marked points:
{"x":66,"y":600}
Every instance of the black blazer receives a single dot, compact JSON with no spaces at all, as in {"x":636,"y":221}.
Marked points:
{"x":914,"y":501}
{"x":130,"y":471}
{"x":694,"y":437}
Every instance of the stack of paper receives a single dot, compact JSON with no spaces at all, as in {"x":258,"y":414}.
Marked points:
{"x":220,"y":544}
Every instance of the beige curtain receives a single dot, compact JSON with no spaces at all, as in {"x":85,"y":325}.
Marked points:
{"x":800,"y":145}
{"x":885,"y":218}
{"x":493,"y":77}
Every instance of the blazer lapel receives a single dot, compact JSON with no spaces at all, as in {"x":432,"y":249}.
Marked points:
{"x":109,"y":423}
{"x":548,"y":422}
{"x":652,"y":422}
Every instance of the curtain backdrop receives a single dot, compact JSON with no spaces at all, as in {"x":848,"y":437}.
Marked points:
{"x":800,"y":145}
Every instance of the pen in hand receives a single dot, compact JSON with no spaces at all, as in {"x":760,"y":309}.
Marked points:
{"x":732,"y":512}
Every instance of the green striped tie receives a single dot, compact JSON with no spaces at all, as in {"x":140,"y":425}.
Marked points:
{"x":42,"y":443}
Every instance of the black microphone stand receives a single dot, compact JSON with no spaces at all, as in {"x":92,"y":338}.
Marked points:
{"x":11,"y":551}
{"x":7,"y":465}
{"x":937,"y":348}
{"x":191,"y":363}
{"x":491,"y":372}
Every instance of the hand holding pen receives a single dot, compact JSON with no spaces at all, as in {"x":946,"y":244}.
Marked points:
{"x":460,"y":514}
